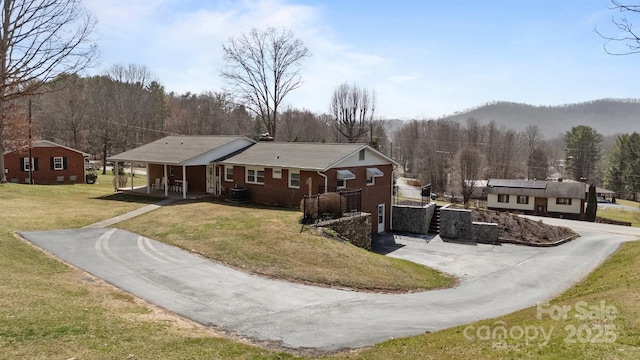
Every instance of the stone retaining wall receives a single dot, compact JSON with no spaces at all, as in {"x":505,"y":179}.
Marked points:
{"x":456,"y":224}
{"x":484,"y":232}
{"x":412,"y":219}
{"x":355,"y":229}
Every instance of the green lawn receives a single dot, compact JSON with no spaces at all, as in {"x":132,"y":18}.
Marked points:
{"x":49,"y":310}
{"x":269,"y":241}
{"x":620,"y":214}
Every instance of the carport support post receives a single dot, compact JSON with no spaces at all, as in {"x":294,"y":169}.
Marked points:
{"x":115,"y":171}
{"x":184,"y":182}
{"x":166,"y":181}
{"x":132,"y":166}
{"x":146,"y":167}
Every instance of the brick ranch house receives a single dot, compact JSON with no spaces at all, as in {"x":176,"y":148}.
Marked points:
{"x":50,"y":163}
{"x":282,"y":173}
{"x":535,"y":197}
{"x":182,"y":164}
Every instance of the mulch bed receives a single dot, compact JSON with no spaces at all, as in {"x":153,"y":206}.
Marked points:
{"x":515,"y":229}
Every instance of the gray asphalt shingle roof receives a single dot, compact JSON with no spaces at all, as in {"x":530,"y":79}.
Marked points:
{"x":551,"y":189}
{"x":310,"y":156}
{"x":175,"y":149}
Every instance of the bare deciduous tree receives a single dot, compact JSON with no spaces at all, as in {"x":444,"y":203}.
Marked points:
{"x":262,"y":68}
{"x":468,"y":169}
{"x":353,"y":108}
{"x":302,"y":125}
{"x":628,"y":36}
{"x":40,"y":41}
{"x":532,"y":138}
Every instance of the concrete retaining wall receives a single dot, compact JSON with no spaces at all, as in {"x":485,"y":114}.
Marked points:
{"x":412,"y":219}
{"x":355,"y":229}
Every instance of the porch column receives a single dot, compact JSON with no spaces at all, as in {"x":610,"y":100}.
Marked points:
{"x":146,"y":166}
{"x":185,"y":183}
{"x":166,"y":181}
{"x":132,"y":166}
{"x":115,"y":171}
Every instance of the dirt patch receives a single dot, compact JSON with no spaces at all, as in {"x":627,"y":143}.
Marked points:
{"x":514,"y":228}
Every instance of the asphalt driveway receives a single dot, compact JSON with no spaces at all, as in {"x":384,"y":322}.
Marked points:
{"x":495,"y":280}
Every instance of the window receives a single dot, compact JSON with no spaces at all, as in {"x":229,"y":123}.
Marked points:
{"x":228,"y":173}
{"x":58,"y":163}
{"x":255,"y":176}
{"x":294,"y":180}
{"x":343,"y":176}
{"x":26,"y":164}
{"x":522,"y":199}
{"x":563,"y":201}
{"x":372,"y":174}
{"x":503,"y":198}
{"x":361,"y":155}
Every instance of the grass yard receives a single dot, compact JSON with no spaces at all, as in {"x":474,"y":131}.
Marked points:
{"x":622,"y":214}
{"x":51,"y":311}
{"x":602,"y":335}
{"x":268,"y":241}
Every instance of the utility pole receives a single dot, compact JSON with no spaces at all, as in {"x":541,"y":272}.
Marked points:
{"x":30,"y":148}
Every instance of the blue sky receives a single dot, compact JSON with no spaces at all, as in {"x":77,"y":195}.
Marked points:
{"x":424,"y":59}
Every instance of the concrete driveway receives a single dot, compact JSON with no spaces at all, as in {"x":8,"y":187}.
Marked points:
{"x":495,"y":280}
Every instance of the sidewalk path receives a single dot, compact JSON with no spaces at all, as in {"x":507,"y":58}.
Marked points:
{"x":129,"y":215}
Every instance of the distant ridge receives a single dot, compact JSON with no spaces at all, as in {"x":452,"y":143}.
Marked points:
{"x":607,"y":116}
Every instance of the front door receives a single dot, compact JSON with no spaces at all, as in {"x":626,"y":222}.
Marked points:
{"x":380,"y":218}
{"x":541,"y":206}
{"x":210,"y":178}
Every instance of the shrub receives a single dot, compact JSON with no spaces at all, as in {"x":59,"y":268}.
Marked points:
{"x":328,"y":205}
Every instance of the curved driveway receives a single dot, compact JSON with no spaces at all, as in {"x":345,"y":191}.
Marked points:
{"x":495,"y":280}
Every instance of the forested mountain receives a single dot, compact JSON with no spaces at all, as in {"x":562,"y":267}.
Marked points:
{"x":607,"y":116}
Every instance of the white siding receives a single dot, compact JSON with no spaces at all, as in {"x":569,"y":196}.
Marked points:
{"x":574,"y":208}
{"x":370,"y":159}
{"x":492,"y":202}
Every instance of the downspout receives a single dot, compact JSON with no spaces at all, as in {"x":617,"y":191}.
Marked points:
{"x":393,"y":176}
{"x":325,"y":180}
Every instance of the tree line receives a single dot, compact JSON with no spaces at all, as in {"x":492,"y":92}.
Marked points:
{"x":449,"y":155}
{"x":126,"y":107}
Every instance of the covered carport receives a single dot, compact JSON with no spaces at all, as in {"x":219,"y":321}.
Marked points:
{"x":181,"y":163}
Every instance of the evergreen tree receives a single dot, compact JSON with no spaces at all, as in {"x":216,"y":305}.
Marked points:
{"x":592,"y":204}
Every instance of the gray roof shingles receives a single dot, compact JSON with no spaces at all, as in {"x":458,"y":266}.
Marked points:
{"x":175,"y":149}
{"x":551,"y":190}
{"x":310,"y":156}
